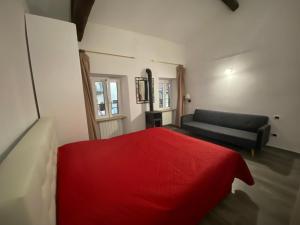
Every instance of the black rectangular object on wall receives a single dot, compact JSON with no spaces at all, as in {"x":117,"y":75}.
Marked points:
{"x":232,"y":4}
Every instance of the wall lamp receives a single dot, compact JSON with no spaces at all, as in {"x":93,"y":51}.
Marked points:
{"x":187,"y":97}
{"x":229,"y":71}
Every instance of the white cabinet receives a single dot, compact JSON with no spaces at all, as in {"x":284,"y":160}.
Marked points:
{"x":56,"y":70}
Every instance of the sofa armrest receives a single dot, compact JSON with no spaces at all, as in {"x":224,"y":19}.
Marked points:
{"x":263,"y":135}
{"x":186,"y":118}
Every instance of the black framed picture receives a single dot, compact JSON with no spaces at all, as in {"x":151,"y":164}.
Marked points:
{"x":142,"y":90}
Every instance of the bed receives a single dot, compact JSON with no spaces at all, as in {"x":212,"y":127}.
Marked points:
{"x":151,"y":177}
{"x":28,"y":178}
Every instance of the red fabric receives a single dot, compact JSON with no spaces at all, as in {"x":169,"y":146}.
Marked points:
{"x":151,"y":177}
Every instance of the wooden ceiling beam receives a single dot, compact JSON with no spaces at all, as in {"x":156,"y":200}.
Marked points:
{"x":232,"y":4}
{"x":80,"y":11}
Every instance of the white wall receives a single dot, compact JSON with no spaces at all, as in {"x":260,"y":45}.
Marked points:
{"x":17,"y":106}
{"x":261,"y":43}
{"x":56,"y":70}
{"x":144,"y":48}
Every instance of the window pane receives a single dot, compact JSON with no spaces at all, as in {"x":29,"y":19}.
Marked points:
{"x":114,"y":97}
{"x":161,"y":94}
{"x":168,"y":97}
{"x":101,"y":107}
{"x":164,"y":94}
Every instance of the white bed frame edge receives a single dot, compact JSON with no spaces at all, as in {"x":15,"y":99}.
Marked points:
{"x":28,"y":178}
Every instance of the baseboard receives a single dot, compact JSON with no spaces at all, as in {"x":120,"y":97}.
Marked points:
{"x":283,"y":148}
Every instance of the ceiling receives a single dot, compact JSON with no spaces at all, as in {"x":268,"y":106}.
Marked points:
{"x":58,"y":9}
{"x":174,"y":20}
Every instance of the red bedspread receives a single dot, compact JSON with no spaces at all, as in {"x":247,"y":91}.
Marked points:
{"x":151,"y":177}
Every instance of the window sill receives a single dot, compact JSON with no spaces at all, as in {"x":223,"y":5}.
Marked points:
{"x":166,"y":110}
{"x":119,"y":117}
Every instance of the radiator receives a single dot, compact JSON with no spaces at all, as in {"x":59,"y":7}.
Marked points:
{"x":167,"y":118}
{"x":110,"y":128}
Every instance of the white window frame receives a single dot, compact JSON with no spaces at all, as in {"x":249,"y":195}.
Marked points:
{"x":165,"y":81}
{"x":107,"y":96}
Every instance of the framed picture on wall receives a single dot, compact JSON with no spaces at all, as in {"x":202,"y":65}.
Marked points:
{"x":142,"y":90}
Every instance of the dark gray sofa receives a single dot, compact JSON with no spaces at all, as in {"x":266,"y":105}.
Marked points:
{"x":243,"y":130}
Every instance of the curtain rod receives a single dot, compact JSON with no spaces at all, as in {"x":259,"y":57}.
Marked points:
{"x":129,"y":57}
{"x":110,"y":54}
{"x":169,"y":63}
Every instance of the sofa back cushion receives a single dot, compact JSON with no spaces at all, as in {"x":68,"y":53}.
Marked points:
{"x":232,"y":120}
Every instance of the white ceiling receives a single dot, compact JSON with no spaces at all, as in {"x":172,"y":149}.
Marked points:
{"x":58,"y":9}
{"x":175,"y":20}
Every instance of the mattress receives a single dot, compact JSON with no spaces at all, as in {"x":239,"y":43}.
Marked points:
{"x":151,"y":177}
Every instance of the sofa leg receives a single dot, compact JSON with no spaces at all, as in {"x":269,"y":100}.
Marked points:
{"x":252,"y":152}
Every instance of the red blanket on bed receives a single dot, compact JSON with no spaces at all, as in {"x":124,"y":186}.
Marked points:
{"x":151,"y":177}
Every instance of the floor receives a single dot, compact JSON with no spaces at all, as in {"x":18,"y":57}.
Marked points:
{"x":273,"y":200}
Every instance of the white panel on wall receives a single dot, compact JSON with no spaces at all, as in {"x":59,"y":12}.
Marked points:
{"x":18,"y":110}
{"x":56,"y":69}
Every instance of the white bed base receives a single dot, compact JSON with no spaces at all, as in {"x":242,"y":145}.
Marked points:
{"x":28,"y":179}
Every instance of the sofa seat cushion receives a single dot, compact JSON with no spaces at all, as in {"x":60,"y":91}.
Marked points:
{"x":229,"y":135}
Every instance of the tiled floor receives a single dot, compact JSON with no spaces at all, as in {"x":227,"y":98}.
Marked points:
{"x":273,"y":200}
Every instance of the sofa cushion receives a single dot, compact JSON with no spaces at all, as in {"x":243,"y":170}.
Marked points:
{"x":229,"y":135}
{"x":207,"y":116}
{"x":238,"y":121}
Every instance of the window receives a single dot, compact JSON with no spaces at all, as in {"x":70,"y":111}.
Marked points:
{"x":114,"y":95}
{"x":106,"y":96}
{"x":164,"y":94}
{"x":100,"y":98}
